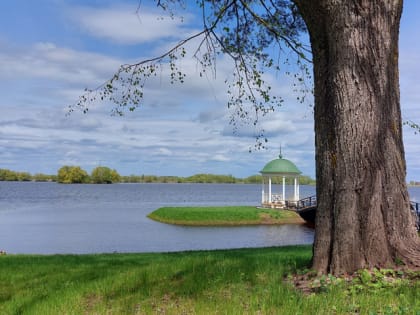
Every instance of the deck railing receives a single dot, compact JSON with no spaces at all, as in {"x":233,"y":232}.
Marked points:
{"x":307,"y":202}
{"x":311,"y":202}
{"x":415,"y":207}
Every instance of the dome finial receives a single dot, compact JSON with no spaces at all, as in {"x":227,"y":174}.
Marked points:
{"x":280,"y":155}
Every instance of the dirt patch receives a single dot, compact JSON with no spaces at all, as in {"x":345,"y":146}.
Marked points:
{"x":90,"y":302}
{"x":267,"y":219}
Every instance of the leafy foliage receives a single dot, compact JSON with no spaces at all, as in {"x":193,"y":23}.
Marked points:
{"x":8,"y":175}
{"x":72,"y":175}
{"x":246,"y":31}
{"x":104,"y":175}
{"x":373,"y":283}
{"x":413,"y":125}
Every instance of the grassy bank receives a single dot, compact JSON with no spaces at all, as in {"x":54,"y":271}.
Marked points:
{"x":235,"y":215}
{"x":246,"y":281}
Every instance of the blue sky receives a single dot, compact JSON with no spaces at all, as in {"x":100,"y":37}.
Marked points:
{"x":50,"y":50}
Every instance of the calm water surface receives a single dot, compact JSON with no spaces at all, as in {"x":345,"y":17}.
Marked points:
{"x":48,"y":218}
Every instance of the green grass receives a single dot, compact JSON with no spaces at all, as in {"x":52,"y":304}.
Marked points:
{"x":245,"y":281}
{"x":234,"y":215}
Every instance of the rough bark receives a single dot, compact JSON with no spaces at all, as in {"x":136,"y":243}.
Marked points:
{"x":363,"y":216}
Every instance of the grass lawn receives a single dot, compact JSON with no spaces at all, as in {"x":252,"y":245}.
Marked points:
{"x":234,"y":215}
{"x":244,"y":281}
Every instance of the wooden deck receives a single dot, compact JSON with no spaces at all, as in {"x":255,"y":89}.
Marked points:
{"x":306,"y":208}
{"x":415,"y":208}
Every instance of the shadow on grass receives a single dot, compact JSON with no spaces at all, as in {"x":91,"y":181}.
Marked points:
{"x":98,"y":281}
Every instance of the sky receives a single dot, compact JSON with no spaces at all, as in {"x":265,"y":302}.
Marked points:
{"x":51,"y":50}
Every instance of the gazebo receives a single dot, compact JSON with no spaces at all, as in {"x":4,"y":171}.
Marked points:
{"x":273,"y":172}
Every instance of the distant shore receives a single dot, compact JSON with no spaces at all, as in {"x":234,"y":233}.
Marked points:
{"x":76,"y":175}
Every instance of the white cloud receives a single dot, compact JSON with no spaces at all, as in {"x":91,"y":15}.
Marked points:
{"x":169,"y":129}
{"x":220,"y":158}
{"x":47,"y":61}
{"x":180,"y":129}
{"x":164,"y":152}
{"x":122,"y":24}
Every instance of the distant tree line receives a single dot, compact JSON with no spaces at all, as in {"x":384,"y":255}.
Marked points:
{"x":104,"y":175}
{"x":12,"y":176}
{"x":66,"y":175}
{"x":76,"y":175}
{"x":210,"y":179}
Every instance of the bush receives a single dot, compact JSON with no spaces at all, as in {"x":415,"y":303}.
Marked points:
{"x":104,"y":175}
{"x":72,"y":175}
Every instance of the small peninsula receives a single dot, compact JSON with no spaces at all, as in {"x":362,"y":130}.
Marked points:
{"x":224,"y":216}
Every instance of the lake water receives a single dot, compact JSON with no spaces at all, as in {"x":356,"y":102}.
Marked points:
{"x":48,"y":218}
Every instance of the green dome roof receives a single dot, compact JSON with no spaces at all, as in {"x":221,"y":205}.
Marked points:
{"x":280,"y":166}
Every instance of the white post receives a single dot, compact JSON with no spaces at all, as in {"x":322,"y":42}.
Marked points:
{"x":262,"y":192}
{"x":284,"y":188}
{"x":298,"y":188}
{"x":296,"y":193}
{"x":269,"y":189}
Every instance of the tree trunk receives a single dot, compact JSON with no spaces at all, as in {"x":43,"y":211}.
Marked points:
{"x":363,"y":216}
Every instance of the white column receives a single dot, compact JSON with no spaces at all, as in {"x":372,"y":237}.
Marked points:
{"x":284,"y":188}
{"x":262,"y":192}
{"x":298,"y":188}
{"x":269,"y":189}
{"x":296,"y":193}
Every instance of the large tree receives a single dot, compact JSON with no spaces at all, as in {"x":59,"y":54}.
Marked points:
{"x":363,"y":217}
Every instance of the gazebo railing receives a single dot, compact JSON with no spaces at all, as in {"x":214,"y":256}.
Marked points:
{"x":275,"y":198}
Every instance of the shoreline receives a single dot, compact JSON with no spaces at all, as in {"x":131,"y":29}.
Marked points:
{"x":225,"y":216}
